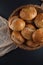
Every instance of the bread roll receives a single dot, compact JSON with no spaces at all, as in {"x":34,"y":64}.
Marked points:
{"x":28,"y":13}
{"x":31,"y":44}
{"x":16,"y":24}
{"x":37,"y":36}
{"x":39,"y":20}
{"x":17,"y":38}
{"x":27,"y":31}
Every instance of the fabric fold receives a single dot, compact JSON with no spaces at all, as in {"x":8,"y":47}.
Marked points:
{"x":6,"y":44}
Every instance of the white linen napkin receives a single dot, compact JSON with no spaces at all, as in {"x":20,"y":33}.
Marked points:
{"x":6,"y":44}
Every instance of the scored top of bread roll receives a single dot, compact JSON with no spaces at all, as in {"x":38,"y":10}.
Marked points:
{"x":38,"y":35}
{"x":16,"y":23}
{"x":17,"y":38}
{"x":27,"y":31}
{"x":28,"y":13}
{"x":39,"y":20}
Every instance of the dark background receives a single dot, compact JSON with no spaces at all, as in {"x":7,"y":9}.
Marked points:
{"x":19,"y":56}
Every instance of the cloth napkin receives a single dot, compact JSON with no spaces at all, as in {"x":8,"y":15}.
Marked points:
{"x":6,"y":44}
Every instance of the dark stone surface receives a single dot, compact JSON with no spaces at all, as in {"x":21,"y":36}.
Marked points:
{"x":19,"y":56}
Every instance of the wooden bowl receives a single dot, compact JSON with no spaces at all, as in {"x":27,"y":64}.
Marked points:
{"x":16,"y":12}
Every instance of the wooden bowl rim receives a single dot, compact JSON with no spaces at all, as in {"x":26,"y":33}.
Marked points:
{"x":24,"y":46}
{"x":22,"y":7}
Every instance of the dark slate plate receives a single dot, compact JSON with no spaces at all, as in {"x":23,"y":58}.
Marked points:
{"x":19,"y":56}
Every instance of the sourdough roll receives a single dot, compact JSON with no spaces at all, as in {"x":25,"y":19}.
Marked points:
{"x":28,"y":13}
{"x":31,"y":44}
{"x":16,"y":24}
{"x":37,"y":36}
{"x":17,"y":38}
{"x":39,"y":20}
{"x":27,"y":31}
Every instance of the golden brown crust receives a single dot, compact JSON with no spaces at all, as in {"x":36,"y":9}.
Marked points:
{"x":10,"y":22}
{"x":28,"y":13}
{"x":32,"y":44}
{"x":39,"y":20}
{"x":38,"y":36}
{"x":27,"y":31}
{"x":16,"y":23}
{"x":28,"y":5}
{"x":17,"y":38}
{"x":15,"y":12}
